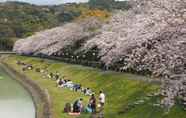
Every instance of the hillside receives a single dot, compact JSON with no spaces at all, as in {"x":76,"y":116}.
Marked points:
{"x":20,"y":20}
{"x":148,"y":38}
{"x":124,"y":91}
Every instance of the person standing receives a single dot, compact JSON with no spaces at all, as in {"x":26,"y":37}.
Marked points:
{"x":102,"y":103}
{"x":92,"y":102}
{"x":101,"y":98}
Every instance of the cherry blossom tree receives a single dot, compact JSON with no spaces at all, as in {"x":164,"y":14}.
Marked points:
{"x":149,"y":37}
{"x":54,"y":40}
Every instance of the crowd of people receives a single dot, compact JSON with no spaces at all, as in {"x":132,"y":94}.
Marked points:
{"x":93,"y":107}
{"x":62,"y":82}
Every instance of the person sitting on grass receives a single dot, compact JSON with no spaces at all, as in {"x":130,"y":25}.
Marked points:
{"x":56,"y":76}
{"x":50,"y":76}
{"x":60,"y":83}
{"x":67,"y":108}
{"x":84,"y":90}
{"x":87,"y":91}
{"x":69,"y":84}
{"x":77,"y":87}
{"x":88,"y":109}
{"x":78,"y":106}
{"x":29,"y":67}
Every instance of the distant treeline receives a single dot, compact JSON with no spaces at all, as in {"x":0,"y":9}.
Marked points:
{"x":19,"y":20}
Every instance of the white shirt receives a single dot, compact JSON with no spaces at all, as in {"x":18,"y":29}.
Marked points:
{"x":102,"y":98}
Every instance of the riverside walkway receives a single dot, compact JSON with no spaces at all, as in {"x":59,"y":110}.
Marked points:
{"x":7,"y":52}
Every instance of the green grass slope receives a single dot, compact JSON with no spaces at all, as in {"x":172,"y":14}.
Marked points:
{"x":121,"y":89}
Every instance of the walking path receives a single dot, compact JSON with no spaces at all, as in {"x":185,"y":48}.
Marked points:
{"x":7,"y":52}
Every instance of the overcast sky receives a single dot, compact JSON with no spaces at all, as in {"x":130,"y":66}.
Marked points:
{"x":47,"y":2}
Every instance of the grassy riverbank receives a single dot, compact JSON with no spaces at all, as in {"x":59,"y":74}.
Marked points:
{"x":120,"y":89}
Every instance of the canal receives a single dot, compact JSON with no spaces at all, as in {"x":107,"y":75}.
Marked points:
{"x":15,"y":101}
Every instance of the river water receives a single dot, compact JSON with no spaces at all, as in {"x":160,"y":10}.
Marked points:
{"x":15,"y":101}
